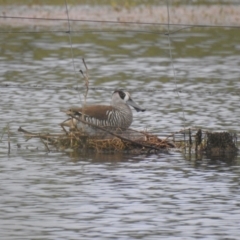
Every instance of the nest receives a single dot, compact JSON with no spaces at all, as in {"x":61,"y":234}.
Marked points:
{"x":132,"y":141}
{"x":139,"y":142}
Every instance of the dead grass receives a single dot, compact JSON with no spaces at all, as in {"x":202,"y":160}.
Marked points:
{"x":182,"y":14}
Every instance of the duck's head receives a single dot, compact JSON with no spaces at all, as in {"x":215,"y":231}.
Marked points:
{"x":120,"y":96}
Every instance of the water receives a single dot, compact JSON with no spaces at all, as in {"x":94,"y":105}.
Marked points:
{"x":54,"y":197}
{"x":119,"y":196}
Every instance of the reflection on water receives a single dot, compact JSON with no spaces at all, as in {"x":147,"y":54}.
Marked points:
{"x":228,"y":158}
{"x":77,"y":196}
{"x":100,"y":157}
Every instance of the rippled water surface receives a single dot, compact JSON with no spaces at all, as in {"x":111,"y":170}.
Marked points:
{"x":119,"y":196}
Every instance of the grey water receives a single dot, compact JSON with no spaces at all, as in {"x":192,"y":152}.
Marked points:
{"x":58,"y":195}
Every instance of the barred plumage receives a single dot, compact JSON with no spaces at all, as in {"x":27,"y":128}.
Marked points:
{"x":118,"y":115}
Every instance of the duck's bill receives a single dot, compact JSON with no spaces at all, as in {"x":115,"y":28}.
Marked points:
{"x":135,"y":106}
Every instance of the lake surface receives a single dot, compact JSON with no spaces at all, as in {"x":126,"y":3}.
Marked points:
{"x":118,"y":196}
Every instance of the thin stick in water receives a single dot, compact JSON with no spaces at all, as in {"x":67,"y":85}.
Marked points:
{"x":9,"y":143}
{"x":86,"y":78}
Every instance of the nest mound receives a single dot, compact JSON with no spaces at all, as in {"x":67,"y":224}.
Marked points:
{"x":127,"y":141}
{"x":132,"y":141}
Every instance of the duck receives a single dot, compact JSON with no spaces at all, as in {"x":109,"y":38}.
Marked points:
{"x":117,"y":115}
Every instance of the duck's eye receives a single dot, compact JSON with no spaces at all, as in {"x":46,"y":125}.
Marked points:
{"x":122,"y":94}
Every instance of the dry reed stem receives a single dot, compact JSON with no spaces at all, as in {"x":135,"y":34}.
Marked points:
{"x":9,"y":143}
{"x":86,"y":78}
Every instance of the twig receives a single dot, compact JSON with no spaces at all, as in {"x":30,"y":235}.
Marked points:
{"x":86,"y":78}
{"x":30,"y":134}
{"x":46,"y":145}
{"x":181,"y":131}
{"x":9,"y":144}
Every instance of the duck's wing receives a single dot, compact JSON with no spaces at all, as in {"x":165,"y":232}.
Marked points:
{"x":100,"y":112}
